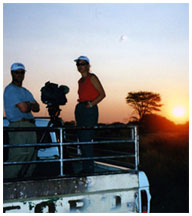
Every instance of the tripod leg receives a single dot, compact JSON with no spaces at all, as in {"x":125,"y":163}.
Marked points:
{"x":43,"y":136}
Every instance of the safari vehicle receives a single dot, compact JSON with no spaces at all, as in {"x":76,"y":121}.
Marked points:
{"x":115,"y":186}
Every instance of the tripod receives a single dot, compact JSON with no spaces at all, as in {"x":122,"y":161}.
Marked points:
{"x":55,"y":121}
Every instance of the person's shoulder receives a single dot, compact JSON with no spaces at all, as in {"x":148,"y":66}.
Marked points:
{"x":9,"y":90}
{"x":93,"y":77}
{"x":13,"y":88}
{"x":25,"y":89}
{"x":9,"y":87}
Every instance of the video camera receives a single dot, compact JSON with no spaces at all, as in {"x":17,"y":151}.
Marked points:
{"x":52,"y":95}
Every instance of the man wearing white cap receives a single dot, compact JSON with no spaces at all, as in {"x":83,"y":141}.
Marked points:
{"x":18,"y":104}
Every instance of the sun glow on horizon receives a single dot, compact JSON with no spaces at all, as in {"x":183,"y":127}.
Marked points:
{"x":179,"y":114}
{"x":179,"y":111}
{"x":176,"y":112}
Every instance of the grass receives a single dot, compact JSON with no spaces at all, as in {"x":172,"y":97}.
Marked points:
{"x":164,"y":156}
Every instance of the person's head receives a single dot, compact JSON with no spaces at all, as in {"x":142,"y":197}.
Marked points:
{"x":83,"y":64}
{"x":18,"y":73}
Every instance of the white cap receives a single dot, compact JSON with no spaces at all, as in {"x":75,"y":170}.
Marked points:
{"x":84,"y":58}
{"x":17,"y":66}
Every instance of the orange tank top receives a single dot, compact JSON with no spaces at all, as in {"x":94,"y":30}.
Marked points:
{"x":87,"y":91}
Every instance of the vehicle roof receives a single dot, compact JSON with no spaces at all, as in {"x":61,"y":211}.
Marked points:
{"x":38,"y":121}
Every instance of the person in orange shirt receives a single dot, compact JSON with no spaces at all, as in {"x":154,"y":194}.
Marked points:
{"x":90,"y":93}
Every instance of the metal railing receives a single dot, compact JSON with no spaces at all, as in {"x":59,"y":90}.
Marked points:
{"x":62,"y":141}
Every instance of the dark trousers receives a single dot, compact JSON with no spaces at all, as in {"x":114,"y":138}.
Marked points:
{"x":87,"y":117}
{"x":21,"y":153}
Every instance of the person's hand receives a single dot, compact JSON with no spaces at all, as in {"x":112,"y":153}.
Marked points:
{"x":34,"y":106}
{"x":89,"y":105}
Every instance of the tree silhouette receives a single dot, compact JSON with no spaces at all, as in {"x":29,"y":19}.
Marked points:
{"x":144,"y":102}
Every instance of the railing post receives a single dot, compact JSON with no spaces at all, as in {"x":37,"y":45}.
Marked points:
{"x":78,"y":148}
{"x":136,"y":148}
{"x":61,"y":151}
{"x":132,"y":133}
{"x":64,"y":135}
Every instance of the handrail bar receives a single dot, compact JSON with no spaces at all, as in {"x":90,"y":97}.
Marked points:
{"x":99,"y":127}
{"x":69,"y":143}
{"x":69,"y":159}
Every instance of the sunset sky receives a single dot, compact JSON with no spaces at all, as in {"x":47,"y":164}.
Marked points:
{"x":131,"y":47}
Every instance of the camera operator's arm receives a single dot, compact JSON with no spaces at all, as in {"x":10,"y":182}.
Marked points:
{"x":27,"y":106}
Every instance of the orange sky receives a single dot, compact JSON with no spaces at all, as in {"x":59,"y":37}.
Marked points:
{"x":128,"y":51}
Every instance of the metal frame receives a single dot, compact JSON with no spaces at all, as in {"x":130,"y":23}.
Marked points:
{"x":62,"y":134}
